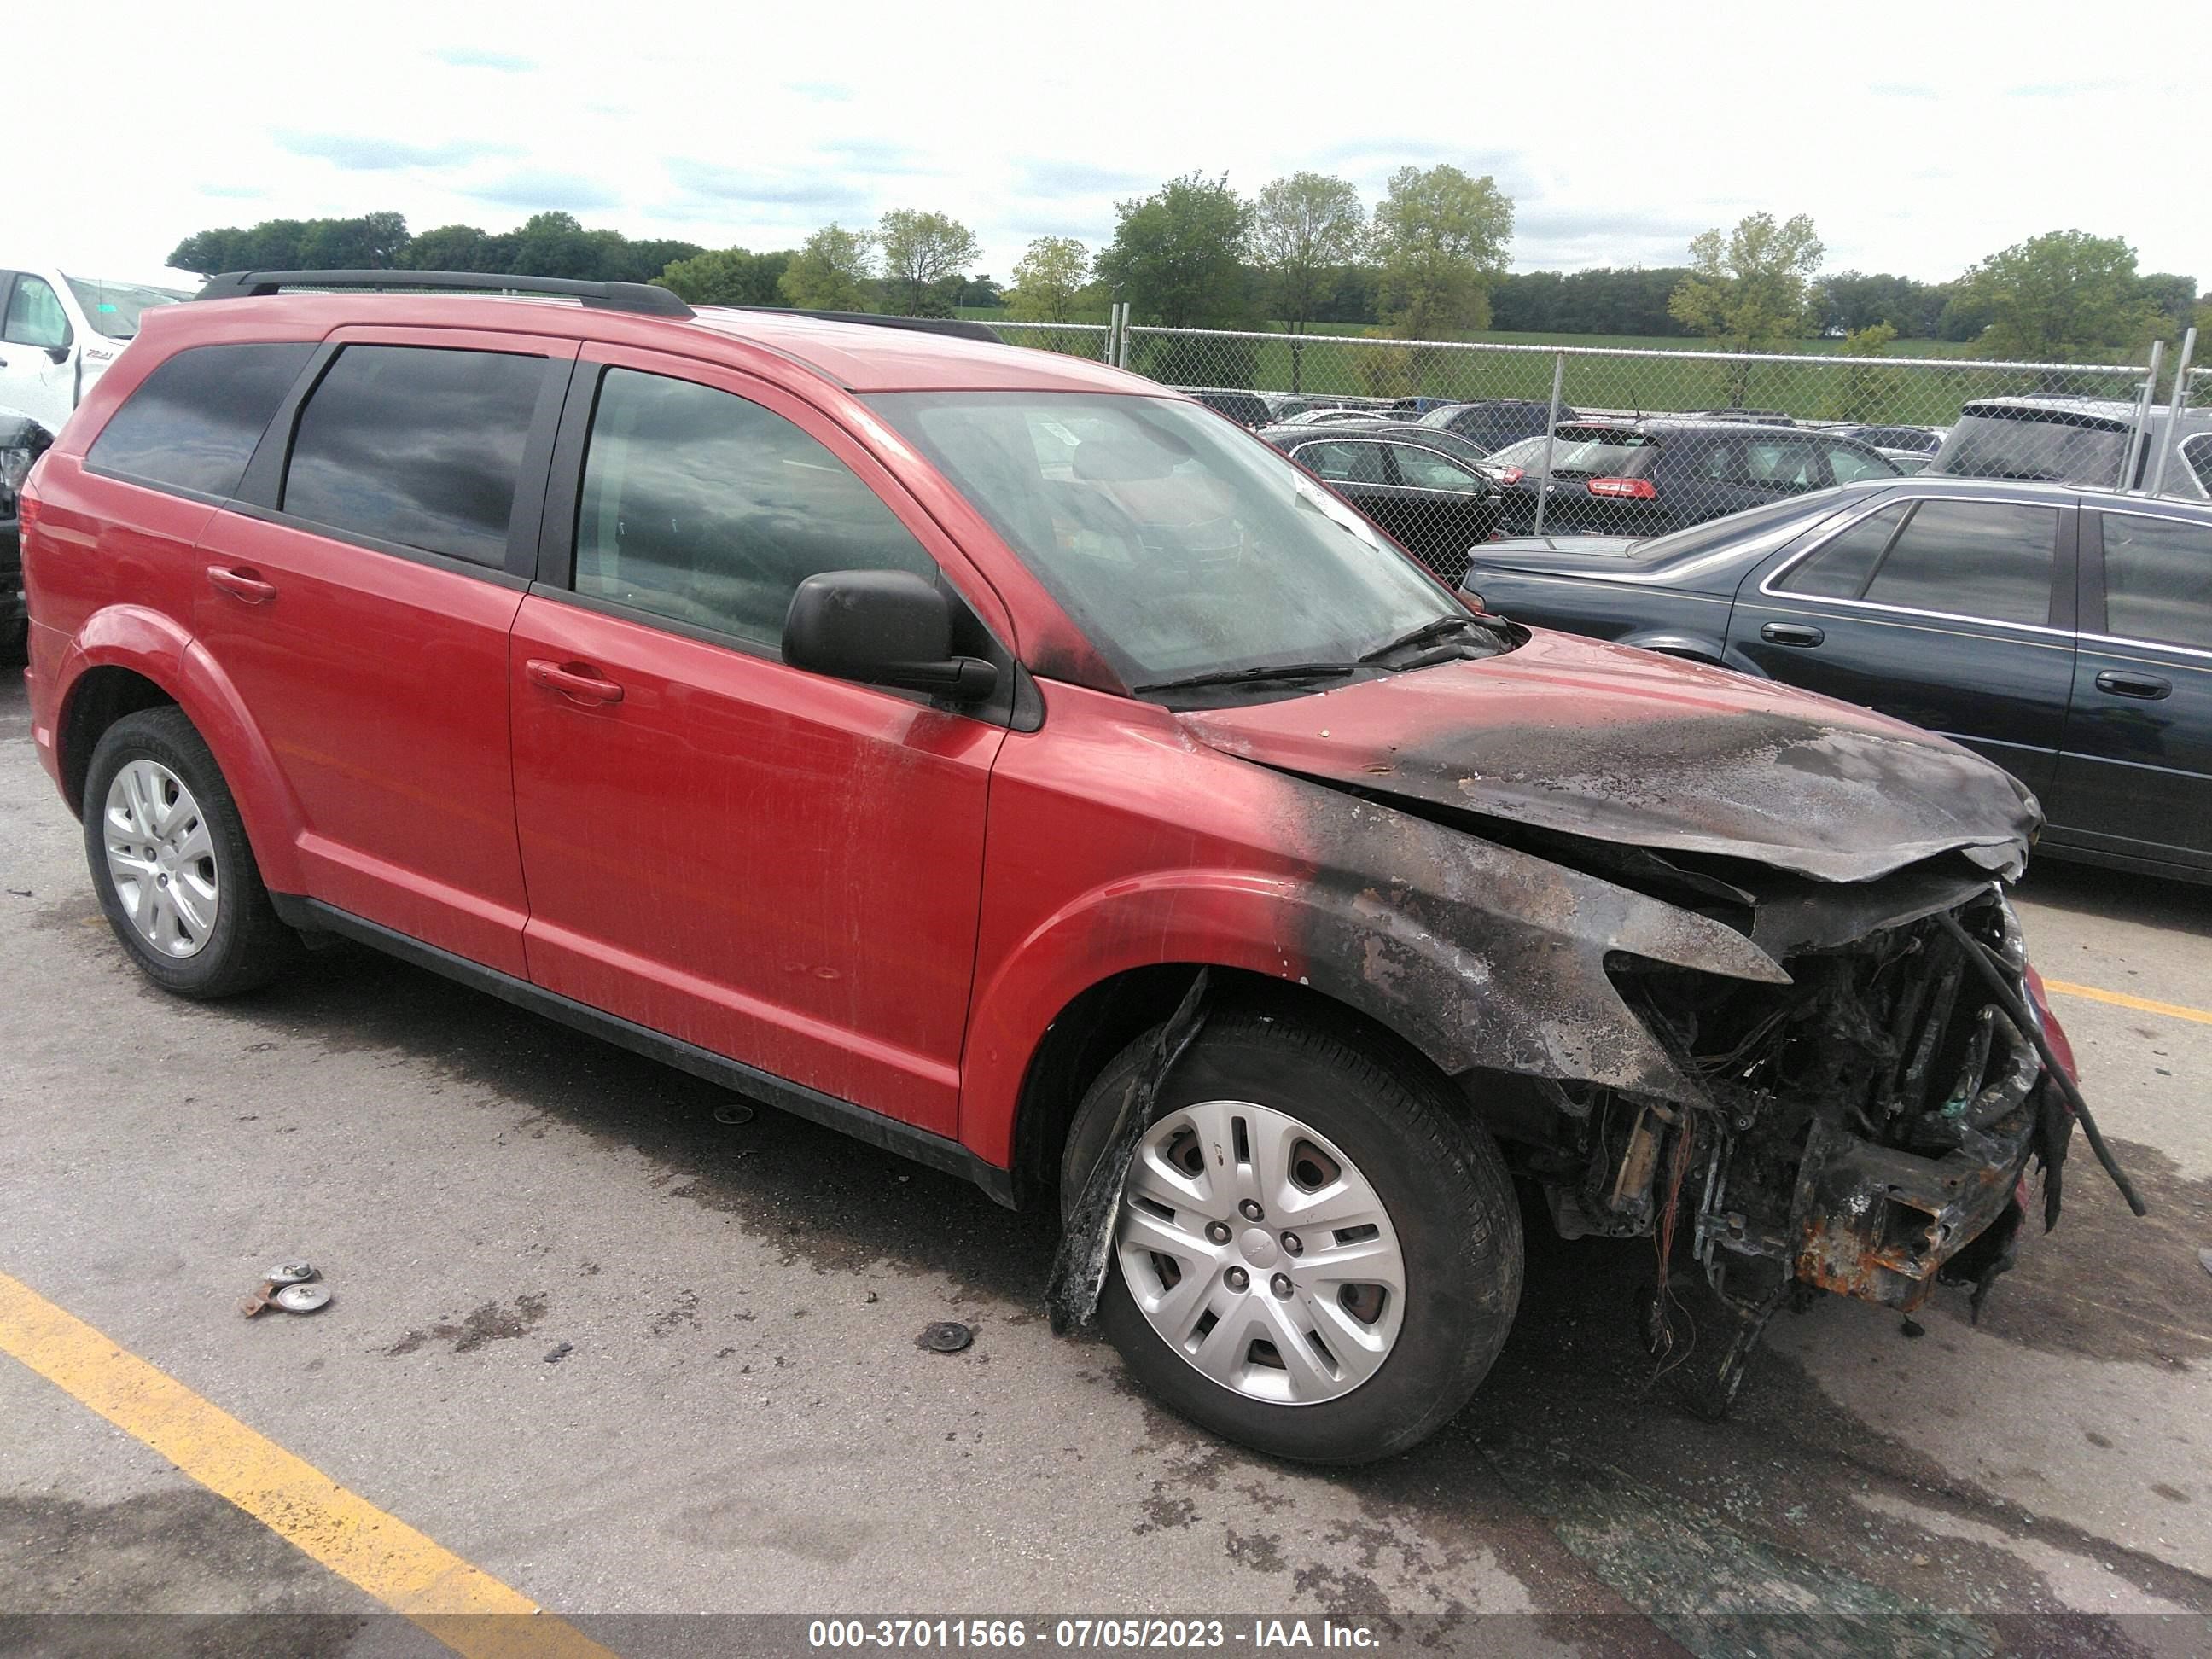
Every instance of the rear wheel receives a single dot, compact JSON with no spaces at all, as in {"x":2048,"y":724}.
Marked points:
{"x":171,"y":863}
{"x":1316,"y":1254}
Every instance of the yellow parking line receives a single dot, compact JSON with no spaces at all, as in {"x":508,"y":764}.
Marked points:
{"x":2122,"y":999}
{"x":463,"y":1606}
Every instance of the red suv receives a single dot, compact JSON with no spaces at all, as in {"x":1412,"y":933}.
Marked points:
{"x":1005,"y":760}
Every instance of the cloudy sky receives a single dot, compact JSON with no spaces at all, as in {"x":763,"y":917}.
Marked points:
{"x":1919,"y":137}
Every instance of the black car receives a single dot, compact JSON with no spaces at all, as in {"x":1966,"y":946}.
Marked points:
{"x":1494,"y":422}
{"x":22,"y":441}
{"x":1247,"y":409}
{"x":1432,"y":502}
{"x":1367,"y":421}
{"x":1645,"y":475}
{"x":2065,"y":634}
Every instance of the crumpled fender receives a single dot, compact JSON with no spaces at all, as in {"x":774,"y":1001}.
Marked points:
{"x":149,"y":643}
{"x":1475,"y":954}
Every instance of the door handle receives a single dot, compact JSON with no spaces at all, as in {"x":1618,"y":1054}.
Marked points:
{"x":572,"y":680}
{"x":1791,"y":633}
{"x":2134,"y":685}
{"x":242,"y":585}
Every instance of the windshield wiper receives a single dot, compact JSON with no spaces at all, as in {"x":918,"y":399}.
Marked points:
{"x":1265,"y":673}
{"x":1436,"y":628}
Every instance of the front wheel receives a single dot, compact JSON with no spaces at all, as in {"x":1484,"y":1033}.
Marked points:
{"x":1317,"y":1254}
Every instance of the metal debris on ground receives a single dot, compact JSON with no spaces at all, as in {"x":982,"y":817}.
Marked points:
{"x":286,"y":1285}
{"x":734,"y":1113}
{"x":947,"y":1336}
{"x":2204,"y":1260}
{"x":559,"y":1352}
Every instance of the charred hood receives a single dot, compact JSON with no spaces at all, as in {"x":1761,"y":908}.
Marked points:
{"x":1610,"y":744}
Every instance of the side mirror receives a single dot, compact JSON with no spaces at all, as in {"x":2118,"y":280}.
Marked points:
{"x":881,"y":628}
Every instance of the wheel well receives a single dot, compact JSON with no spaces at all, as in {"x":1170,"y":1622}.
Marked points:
{"x":1103,"y":1020}
{"x":100,"y":698}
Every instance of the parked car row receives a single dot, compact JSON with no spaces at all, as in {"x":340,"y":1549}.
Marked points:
{"x":2063,"y":632}
{"x":1100,"y":810}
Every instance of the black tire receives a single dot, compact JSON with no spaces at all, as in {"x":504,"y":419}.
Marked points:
{"x":247,"y":946}
{"x":1439,"y":1175}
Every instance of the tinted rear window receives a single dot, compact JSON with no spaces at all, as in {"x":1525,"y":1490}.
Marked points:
{"x":417,"y":444}
{"x":194,"y":422}
{"x":2059,"y":446}
{"x":1600,"y":452}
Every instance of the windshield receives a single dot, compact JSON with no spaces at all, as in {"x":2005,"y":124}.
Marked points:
{"x":1180,"y":545}
{"x":113,"y":307}
{"x":2058,"y":444}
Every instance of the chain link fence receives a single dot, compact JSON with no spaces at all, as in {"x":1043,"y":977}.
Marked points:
{"x":1091,"y":340}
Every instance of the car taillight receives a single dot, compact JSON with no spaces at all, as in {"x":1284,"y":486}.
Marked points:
{"x":1626,"y":490}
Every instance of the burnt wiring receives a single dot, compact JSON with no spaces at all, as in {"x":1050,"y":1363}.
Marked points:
{"x":1988,"y":965}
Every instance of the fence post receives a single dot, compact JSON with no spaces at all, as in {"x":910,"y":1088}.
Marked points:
{"x":2128,"y":474}
{"x":2177,"y":405}
{"x":1121,"y":339}
{"x":1552,"y":420}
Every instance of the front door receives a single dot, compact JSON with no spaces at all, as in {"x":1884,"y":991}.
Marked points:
{"x":2135,"y":775}
{"x":1950,"y":613}
{"x":782,"y":868}
{"x":38,"y":356}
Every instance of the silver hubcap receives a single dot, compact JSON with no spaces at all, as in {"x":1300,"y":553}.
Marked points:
{"x":161,"y":858}
{"x":1259,"y":1253}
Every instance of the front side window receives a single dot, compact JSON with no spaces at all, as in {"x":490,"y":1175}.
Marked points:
{"x":1849,"y":465}
{"x":1430,"y":470}
{"x":1986,"y":559}
{"x":1783,"y":465}
{"x":1177,"y":543}
{"x":2158,"y":580}
{"x":193,"y":422}
{"x":1344,"y":463}
{"x":35,"y":317}
{"x":2197,"y":453}
{"x":704,"y":507}
{"x":419,"y":445}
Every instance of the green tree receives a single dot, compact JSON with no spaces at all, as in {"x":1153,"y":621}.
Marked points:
{"x":451,"y":247}
{"x":924,"y":254}
{"x":1306,"y":226}
{"x":1751,"y":288}
{"x":1441,"y":237}
{"x":1047,"y":278}
{"x":831,"y":270}
{"x":2057,"y":297}
{"x":727,"y":276}
{"x":1174,"y":254}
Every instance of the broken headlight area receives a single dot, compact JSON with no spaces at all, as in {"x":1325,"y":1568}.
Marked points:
{"x":1864,"y":1129}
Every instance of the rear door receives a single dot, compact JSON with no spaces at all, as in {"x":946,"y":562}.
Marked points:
{"x":1449,"y":507}
{"x":779,"y":867}
{"x":1955,"y":614}
{"x":2136,"y":774}
{"x":360,"y":601}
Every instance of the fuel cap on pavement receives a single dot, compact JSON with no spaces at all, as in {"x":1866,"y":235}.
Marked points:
{"x":289,"y":1272}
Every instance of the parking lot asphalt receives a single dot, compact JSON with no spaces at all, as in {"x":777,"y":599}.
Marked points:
{"x":629,"y":1360}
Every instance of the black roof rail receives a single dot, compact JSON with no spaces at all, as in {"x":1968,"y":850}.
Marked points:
{"x":642,"y":298}
{"x":962,"y":327}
